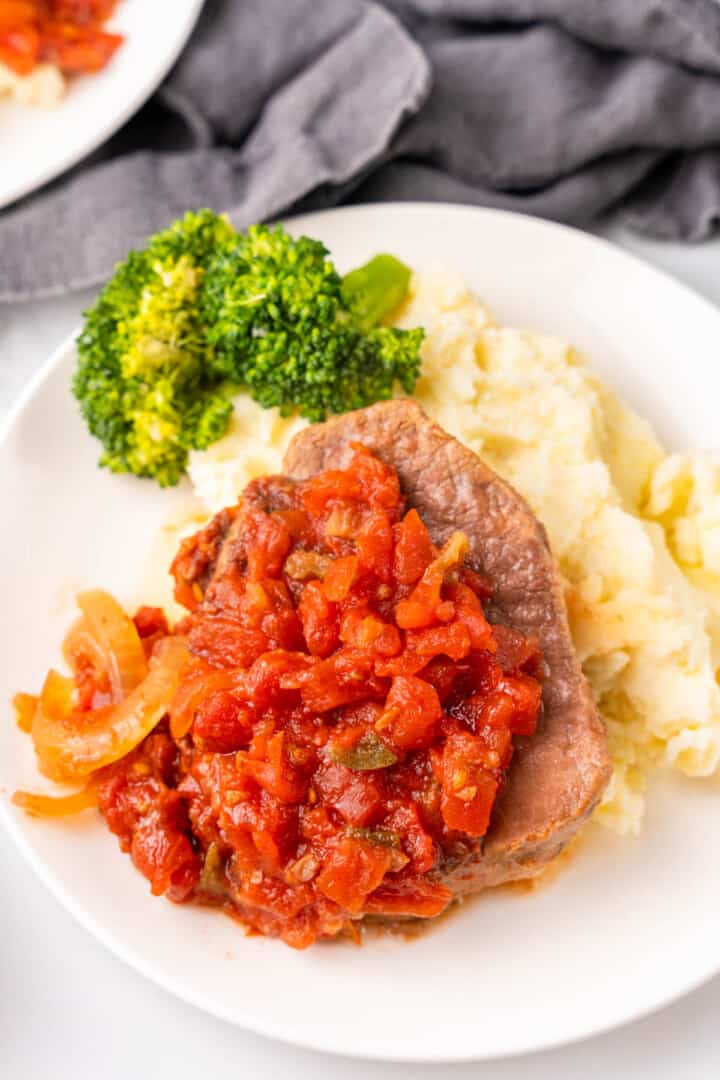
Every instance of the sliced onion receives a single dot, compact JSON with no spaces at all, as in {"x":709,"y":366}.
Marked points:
{"x":56,"y":696}
{"x":301,"y":565}
{"x":25,"y":706}
{"x":79,"y":642}
{"x":54,"y":805}
{"x":452,"y":553}
{"x":117,"y":640}
{"x":70,"y":745}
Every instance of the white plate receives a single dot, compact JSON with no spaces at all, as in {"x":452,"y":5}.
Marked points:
{"x":37,"y":144}
{"x":627,"y":926}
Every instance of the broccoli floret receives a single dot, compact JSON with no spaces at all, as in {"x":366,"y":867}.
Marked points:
{"x":143,"y":381}
{"x":283,"y":323}
{"x":204,"y":311}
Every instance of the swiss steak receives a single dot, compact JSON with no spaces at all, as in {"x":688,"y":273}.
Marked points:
{"x":558,"y":775}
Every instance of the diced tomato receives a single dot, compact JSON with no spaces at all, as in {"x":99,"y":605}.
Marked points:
{"x":374,"y":546}
{"x":152,"y":625}
{"x":417,"y":842}
{"x":377,"y":482}
{"x":366,"y":480}
{"x":273,"y":895}
{"x":331,"y":487}
{"x":426,"y":604}
{"x":342,"y":679}
{"x":276,"y":775}
{"x":340,"y":578}
{"x":525,"y":694}
{"x":353,"y":869}
{"x":166,"y":858}
{"x":366,"y":631}
{"x":319,"y":620}
{"x":273,"y":678}
{"x":468,"y":768}
{"x":413,"y":549}
{"x":420,"y":608}
{"x":358,"y":797}
{"x":151,"y":621}
{"x":161,"y":754}
{"x":267,"y":543}
{"x":417,"y":898}
{"x":80,"y":52}
{"x":413,"y":711}
{"x":283,"y":629}
{"x":226,"y":643}
{"x":17,"y":13}
{"x":477,"y":626}
{"x":469,"y":811}
{"x":407,"y":663}
{"x":318,"y":823}
{"x":151,"y":823}
{"x":453,"y":640}
{"x":61,"y":32}
{"x":222,"y":723}
{"x":441,"y":673}
{"x":487,"y":709}
{"x":20,"y":49}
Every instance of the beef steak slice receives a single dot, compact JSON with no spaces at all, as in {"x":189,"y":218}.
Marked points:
{"x":557,"y":775}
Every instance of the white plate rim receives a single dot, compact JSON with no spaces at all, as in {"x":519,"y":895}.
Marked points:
{"x":246,"y":1019}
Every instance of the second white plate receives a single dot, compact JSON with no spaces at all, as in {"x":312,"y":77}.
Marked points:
{"x":37,"y":144}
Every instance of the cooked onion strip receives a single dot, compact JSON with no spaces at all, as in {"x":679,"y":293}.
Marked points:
{"x":54,"y":805}
{"x":70,"y":745}
{"x":80,"y":644}
{"x":110,"y":635}
{"x":25,"y":706}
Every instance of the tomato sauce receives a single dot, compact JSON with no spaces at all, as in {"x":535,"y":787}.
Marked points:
{"x":346,"y":720}
{"x":67,"y":33}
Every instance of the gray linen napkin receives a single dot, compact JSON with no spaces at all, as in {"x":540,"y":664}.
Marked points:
{"x":562,"y":108}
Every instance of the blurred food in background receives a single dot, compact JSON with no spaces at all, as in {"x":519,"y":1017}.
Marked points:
{"x":43,"y":43}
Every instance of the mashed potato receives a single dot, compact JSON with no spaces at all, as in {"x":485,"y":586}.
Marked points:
{"x":44,"y":86}
{"x":254,"y":445}
{"x":636,"y":533}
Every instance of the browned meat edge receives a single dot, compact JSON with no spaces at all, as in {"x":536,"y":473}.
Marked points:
{"x":558,"y":775}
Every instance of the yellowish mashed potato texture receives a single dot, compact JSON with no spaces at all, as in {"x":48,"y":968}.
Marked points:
{"x":636,"y":532}
{"x":45,"y":86}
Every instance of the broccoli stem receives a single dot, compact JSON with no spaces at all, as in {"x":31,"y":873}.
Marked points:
{"x":374,"y":290}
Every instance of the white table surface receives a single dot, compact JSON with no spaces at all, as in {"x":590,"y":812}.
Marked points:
{"x":70,"y":1009}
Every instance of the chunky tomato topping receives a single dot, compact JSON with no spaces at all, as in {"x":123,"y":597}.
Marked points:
{"x":67,"y":33}
{"x":344,"y":722}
